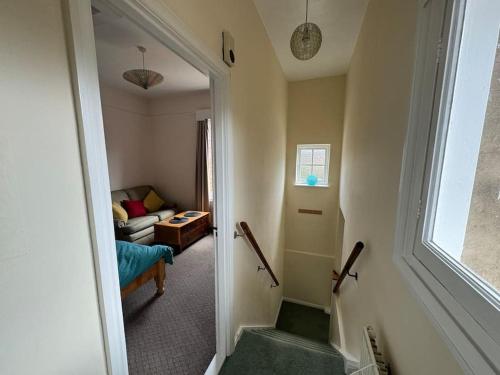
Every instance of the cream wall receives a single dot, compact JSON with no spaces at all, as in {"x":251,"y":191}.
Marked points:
{"x":315,"y":115}
{"x":153,"y":142}
{"x":128,"y":138}
{"x":49,"y":303}
{"x":259,"y":104}
{"x":49,"y":313}
{"x":376,"y":117}
{"x":49,"y":317}
{"x":173,"y":123}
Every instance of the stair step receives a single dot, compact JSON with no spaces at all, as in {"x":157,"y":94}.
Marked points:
{"x":274,"y":352}
{"x":296,"y":340}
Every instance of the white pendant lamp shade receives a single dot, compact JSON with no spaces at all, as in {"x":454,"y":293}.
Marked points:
{"x":144,"y":78}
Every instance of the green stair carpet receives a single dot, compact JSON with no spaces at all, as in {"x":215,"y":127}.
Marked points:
{"x":270,"y":351}
{"x":304,"y":321}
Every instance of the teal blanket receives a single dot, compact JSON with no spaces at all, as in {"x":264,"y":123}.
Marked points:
{"x":134,"y":259}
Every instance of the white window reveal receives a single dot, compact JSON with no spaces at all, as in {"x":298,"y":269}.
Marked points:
{"x":448,"y":234}
{"x":312,"y":165}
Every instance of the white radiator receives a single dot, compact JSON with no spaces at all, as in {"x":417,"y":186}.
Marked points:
{"x":371,"y":361}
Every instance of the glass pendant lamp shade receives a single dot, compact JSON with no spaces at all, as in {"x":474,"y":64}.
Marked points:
{"x":144,"y":78}
{"x":306,"y":39}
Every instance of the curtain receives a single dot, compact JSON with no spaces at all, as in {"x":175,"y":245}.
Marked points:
{"x":202,"y":175}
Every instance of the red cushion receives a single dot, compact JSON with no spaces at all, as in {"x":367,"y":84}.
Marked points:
{"x":134,"y":208}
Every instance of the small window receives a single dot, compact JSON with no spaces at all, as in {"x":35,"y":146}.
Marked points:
{"x":312,"y":165}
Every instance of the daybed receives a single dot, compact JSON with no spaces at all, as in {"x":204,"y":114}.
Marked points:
{"x":137,"y":264}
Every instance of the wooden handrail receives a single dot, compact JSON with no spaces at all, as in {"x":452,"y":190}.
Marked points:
{"x":347,"y":267}
{"x":248,"y":233}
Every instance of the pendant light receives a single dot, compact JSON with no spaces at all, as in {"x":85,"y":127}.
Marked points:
{"x":144,"y":78}
{"x":306,"y":39}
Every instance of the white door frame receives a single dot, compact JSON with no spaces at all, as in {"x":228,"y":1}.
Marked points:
{"x":157,"y":19}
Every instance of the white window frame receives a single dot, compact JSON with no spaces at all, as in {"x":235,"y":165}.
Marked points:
{"x":300,"y":147}
{"x":466,"y":316}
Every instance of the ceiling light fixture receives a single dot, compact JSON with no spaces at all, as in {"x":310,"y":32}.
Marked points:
{"x":144,"y":78}
{"x":306,"y":39}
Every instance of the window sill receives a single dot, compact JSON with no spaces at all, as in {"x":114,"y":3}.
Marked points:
{"x":311,"y":186}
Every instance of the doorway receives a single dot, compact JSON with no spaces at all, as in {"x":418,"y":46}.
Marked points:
{"x":161,"y":25}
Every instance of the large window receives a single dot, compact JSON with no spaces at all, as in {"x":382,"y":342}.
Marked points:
{"x":449,"y":216}
{"x":312,"y":165}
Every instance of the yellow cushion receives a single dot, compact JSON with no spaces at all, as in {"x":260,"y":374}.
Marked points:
{"x":153,"y":202}
{"x":119,"y":212}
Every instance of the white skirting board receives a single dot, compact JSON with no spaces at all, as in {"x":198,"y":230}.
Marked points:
{"x":212,"y":368}
{"x":240,"y":330}
{"x":278,"y":313}
{"x":326,"y":309}
{"x":351,"y":363}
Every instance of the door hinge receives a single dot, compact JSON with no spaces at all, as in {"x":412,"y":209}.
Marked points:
{"x":419,"y":209}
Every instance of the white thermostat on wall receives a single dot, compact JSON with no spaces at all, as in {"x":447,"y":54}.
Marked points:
{"x":228,"y":53}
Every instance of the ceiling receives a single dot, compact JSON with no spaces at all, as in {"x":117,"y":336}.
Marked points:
{"x":339,"y":20}
{"x":116,"y":43}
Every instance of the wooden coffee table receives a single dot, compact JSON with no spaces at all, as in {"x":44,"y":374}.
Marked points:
{"x":183,"y":234}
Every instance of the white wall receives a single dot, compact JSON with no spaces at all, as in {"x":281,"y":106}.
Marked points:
{"x":315,"y":115}
{"x":376,"y":118}
{"x":49,"y":316}
{"x":153,"y":142}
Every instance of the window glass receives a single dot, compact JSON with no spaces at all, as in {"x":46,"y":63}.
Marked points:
{"x":305,"y":171}
{"x":306,"y":156}
{"x":319,"y":172}
{"x":319,"y":156}
{"x":467,"y":210}
{"x":312,"y":165}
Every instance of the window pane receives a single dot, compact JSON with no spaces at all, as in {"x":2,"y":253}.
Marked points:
{"x":305,"y":171}
{"x":305,"y":156}
{"x":467,"y":216}
{"x":319,"y":156}
{"x":319,"y":172}
{"x":482,"y":237}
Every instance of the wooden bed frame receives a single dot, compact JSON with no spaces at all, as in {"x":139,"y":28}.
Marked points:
{"x":157,"y":272}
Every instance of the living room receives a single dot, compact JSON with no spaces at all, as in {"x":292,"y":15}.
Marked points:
{"x":157,"y":125}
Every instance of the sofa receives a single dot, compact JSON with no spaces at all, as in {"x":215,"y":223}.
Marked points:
{"x":139,"y":229}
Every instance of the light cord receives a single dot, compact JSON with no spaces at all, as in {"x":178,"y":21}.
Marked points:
{"x":307,"y":8}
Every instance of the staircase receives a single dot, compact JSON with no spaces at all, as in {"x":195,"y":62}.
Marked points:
{"x":276,"y":351}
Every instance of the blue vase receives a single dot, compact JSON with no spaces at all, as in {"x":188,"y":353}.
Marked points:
{"x":312,"y":180}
